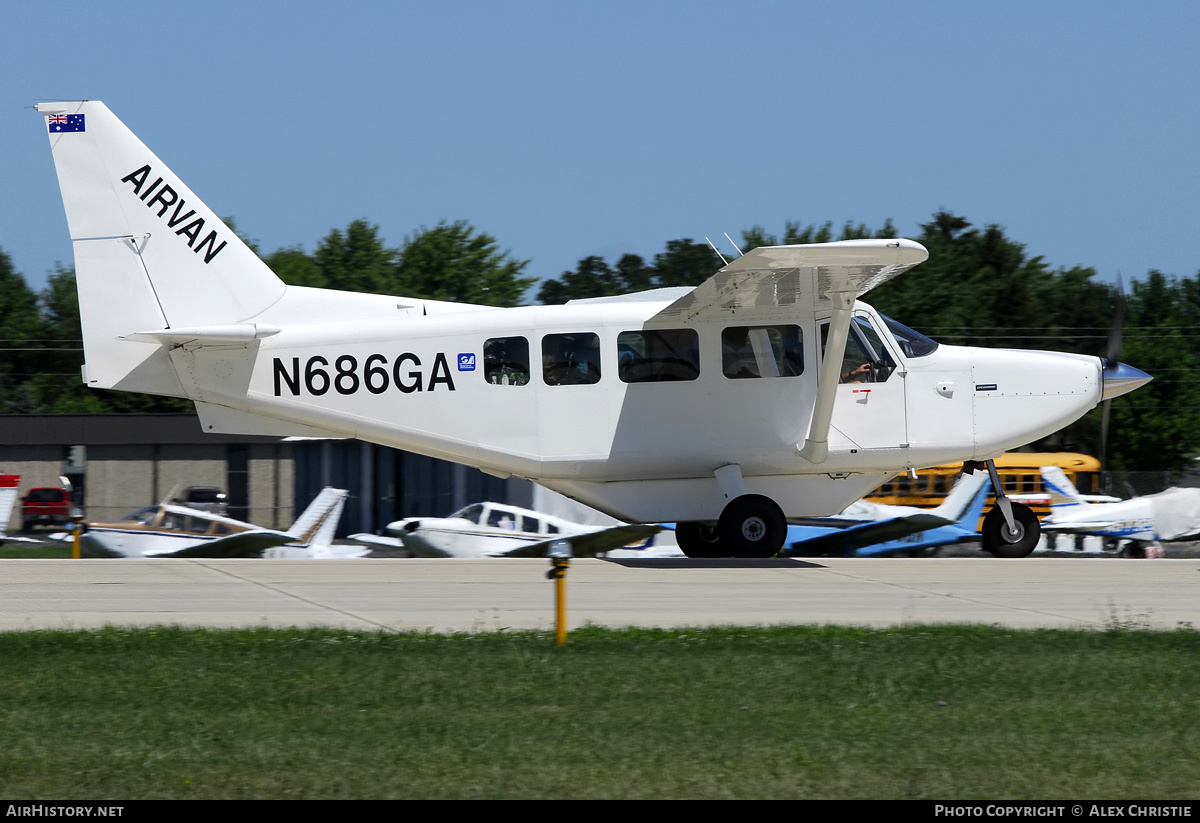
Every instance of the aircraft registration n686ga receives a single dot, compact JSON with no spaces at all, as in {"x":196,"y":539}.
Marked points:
{"x":767,"y":391}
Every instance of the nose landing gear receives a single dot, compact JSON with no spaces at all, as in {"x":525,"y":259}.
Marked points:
{"x":1009,"y":529}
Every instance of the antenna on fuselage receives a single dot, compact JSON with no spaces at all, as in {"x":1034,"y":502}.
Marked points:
{"x":714,"y":248}
{"x":735,"y":245}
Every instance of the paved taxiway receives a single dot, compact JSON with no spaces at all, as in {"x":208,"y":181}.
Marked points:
{"x":491,"y":595}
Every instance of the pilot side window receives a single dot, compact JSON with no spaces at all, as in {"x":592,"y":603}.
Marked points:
{"x":658,"y":356}
{"x":571,"y":359}
{"x":144,"y":516}
{"x":472,"y":513}
{"x":506,"y":361}
{"x":762,"y":351}
{"x":866,"y":359}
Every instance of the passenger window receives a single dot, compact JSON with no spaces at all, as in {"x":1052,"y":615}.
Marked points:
{"x":570,"y":359}
{"x":762,"y":351}
{"x":506,"y":361}
{"x":658,"y":356}
{"x":501,"y":519}
{"x":529,"y":524}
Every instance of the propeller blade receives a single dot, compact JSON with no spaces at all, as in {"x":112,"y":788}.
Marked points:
{"x":1104,"y":435}
{"x":1116,"y":331}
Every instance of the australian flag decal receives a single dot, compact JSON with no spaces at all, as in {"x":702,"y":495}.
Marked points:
{"x":65,"y":122}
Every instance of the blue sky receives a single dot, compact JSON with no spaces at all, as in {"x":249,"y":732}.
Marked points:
{"x":569,"y":129}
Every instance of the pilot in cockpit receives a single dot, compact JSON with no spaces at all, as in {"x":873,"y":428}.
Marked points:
{"x":856,"y":374}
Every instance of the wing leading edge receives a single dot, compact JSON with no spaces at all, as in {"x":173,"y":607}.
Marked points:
{"x":588,"y":544}
{"x":242,"y":544}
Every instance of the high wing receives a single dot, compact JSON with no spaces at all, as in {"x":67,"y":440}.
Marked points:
{"x":243,"y":544}
{"x":587,"y":544}
{"x":769,"y":278}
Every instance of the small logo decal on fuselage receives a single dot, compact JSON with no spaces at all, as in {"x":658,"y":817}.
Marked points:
{"x":466,"y":361}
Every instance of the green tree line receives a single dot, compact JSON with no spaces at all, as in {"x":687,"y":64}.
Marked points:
{"x":979,"y":287}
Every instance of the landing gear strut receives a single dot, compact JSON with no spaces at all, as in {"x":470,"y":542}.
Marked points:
{"x":1009,"y":529}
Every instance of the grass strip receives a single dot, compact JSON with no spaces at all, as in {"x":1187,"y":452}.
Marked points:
{"x":785,"y":712}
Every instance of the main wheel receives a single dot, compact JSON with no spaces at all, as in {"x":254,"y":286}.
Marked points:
{"x":1020,"y":542}
{"x":752,"y":526}
{"x":699,"y":540}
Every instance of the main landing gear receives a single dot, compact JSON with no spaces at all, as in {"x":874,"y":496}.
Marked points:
{"x":1009,"y":529}
{"x":750,"y":526}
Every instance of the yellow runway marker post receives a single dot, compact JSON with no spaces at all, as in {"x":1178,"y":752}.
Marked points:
{"x":560,"y":560}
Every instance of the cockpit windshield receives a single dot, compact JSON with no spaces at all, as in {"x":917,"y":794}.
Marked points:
{"x":472,"y":513}
{"x":145,"y":516}
{"x":912,"y":343}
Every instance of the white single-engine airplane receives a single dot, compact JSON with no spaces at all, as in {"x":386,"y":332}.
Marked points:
{"x":168,"y":530}
{"x":765,"y":392}
{"x":501,"y":530}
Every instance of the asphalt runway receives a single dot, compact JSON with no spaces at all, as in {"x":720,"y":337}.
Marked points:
{"x":503,"y":594}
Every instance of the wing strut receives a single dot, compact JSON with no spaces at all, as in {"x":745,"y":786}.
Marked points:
{"x":816,"y":446}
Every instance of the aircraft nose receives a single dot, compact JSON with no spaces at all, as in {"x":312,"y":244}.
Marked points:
{"x":1121,"y":379}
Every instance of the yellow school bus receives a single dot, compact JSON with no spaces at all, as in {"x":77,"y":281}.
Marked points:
{"x":1018,"y":472}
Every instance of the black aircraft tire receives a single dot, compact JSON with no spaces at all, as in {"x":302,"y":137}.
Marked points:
{"x":753,"y":526}
{"x":699,"y":540}
{"x":998,"y":541}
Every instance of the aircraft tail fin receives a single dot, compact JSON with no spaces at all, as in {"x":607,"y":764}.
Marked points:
{"x":317,"y":524}
{"x":149,"y":254}
{"x":1062,"y":491}
{"x":964,"y":504}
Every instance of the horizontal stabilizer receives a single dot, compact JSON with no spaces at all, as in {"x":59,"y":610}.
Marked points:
{"x":207,"y":335}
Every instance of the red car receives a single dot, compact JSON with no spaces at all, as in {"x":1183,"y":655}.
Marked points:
{"x":49,"y":506}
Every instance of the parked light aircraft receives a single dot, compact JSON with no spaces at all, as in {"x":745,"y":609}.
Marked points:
{"x":1173,"y":514}
{"x":868,"y":529}
{"x":768,"y":391}
{"x":178,"y":531}
{"x":500,"y":530}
